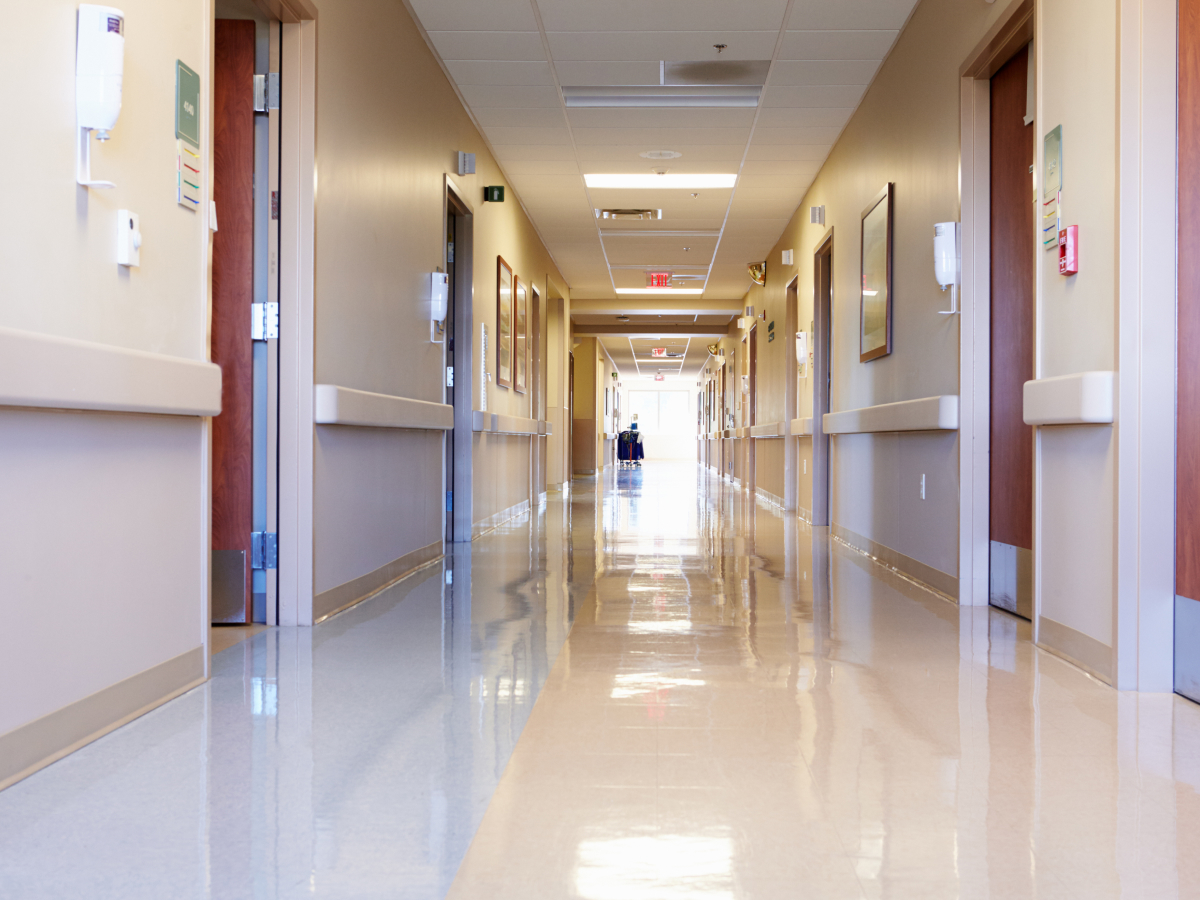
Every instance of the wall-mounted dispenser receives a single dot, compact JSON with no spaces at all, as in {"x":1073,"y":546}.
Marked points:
{"x":439,"y":305}
{"x":99,"y":68}
{"x":946,"y":261}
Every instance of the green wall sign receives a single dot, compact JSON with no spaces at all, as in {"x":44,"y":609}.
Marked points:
{"x":187,"y":104}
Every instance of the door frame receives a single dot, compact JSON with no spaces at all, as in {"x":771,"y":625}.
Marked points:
{"x":455,"y":199}
{"x":1013,"y":30}
{"x":791,"y":396}
{"x":822,"y":375}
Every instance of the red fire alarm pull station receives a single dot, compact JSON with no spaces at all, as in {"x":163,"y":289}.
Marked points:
{"x":1068,"y":250}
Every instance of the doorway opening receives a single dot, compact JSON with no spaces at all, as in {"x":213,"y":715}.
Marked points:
{"x":1012,"y":254}
{"x":821,"y":366}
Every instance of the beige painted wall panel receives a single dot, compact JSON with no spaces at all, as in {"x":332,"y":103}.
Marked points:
{"x":101,"y":553}
{"x":1077,"y":326}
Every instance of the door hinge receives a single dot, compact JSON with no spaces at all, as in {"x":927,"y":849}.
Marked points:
{"x":266,"y":92}
{"x":449,"y":501}
{"x":264,"y":321}
{"x":264,"y":550}
{"x":449,"y":376}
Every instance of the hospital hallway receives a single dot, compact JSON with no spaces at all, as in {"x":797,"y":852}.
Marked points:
{"x":649,"y":688}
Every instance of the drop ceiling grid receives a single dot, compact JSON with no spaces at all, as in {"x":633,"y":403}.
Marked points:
{"x":508,"y":59}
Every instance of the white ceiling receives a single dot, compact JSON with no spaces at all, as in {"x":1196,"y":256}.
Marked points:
{"x":510,"y":58}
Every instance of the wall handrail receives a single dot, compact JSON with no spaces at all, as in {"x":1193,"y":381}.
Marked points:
{"x":496,"y":423}
{"x":1084,"y":398}
{"x":925,"y":414}
{"x":337,"y":405}
{"x":43,"y":371}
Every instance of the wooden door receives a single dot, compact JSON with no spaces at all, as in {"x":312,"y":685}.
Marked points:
{"x":1187,"y":452}
{"x":1013,"y":246}
{"x":233,"y":293}
{"x":821,"y":369}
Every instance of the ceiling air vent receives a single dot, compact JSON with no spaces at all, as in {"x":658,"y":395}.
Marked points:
{"x":638,"y":215}
{"x":715,"y":72}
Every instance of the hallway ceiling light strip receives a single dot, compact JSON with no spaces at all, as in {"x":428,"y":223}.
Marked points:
{"x":661,"y":96}
{"x":666,"y":181}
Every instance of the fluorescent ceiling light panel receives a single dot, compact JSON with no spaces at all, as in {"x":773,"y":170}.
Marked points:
{"x":661,"y":96}
{"x":681,"y":181}
{"x":660,"y":290}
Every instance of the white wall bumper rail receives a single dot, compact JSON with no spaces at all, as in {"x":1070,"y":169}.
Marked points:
{"x":47,"y":372}
{"x":337,"y":405}
{"x":774,"y":429}
{"x":1085,"y":398}
{"x":800,"y":426}
{"x":926,"y":414}
{"x":494,"y":423}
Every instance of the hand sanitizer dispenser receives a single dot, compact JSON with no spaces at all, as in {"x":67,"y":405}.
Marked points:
{"x":946,"y":261}
{"x":99,"y":68}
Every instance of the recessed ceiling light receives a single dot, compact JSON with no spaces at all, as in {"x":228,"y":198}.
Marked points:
{"x":660,"y":290}
{"x":660,"y":154}
{"x":651,"y":181}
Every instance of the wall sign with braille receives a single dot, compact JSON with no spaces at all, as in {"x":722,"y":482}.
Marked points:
{"x":188,"y":159}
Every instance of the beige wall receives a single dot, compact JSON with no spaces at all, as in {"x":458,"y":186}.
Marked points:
{"x":906,"y":131}
{"x":389,"y":127}
{"x":103,"y":534}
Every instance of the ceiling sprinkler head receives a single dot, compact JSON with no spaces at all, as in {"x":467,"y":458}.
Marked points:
{"x":719,"y":47}
{"x":694,"y":196}
{"x":622,"y":318}
{"x":660,"y":171}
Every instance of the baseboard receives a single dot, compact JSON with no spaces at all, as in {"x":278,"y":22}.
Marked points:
{"x":1076,"y":648}
{"x":37,"y":744}
{"x":916,"y":570}
{"x":491,"y":523}
{"x":334,"y":600}
{"x":766,"y":495}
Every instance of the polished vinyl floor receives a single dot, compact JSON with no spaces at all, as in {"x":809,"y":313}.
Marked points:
{"x":650,"y":689}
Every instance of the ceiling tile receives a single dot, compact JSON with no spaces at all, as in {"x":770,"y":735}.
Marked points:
{"x":836,"y":44}
{"x":777,"y":182}
{"x":838,"y":95}
{"x":786,"y":151}
{"x":815,"y":136}
{"x":505,"y":152}
{"x":783,"y":204}
{"x":646,"y":250}
{"x":471,"y":15}
{"x":662,"y":15}
{"x":821,"y":14}
{"x":541,"y":167}
{"x":522,"y":117}
{"x":804,"y":117}
{"x":480,"y":96}
{"x":656,"y":45}
{"x":525,"y":45}
{"x":709,"y":153}
{"x":500,"y":134}
{"x":497,"y":71}
{"x":825,"y":71}
{"x":591,"y":72}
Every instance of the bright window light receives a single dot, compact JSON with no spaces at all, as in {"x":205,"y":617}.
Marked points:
{"x":660,"y":290}
{"x":681,"y":181}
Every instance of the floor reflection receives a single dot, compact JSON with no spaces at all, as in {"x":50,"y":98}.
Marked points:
{"x":742,"y":708}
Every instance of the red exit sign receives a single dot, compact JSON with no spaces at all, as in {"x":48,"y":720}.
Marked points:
{"x":660,"y":378}
{"x":660,"y":279}
{"x":658,"y":351}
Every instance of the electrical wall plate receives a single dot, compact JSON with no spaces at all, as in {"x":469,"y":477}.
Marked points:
{"x":129,"y":239}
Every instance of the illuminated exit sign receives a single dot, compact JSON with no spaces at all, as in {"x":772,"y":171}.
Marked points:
{"x":659,"y":279}
{"x":660,"y":378}
{"x":658,"y":351}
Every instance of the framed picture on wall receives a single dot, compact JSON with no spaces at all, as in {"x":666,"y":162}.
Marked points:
{"x":520,"y":334}
{"x":504,"y":330}
{"x":875,"y":335}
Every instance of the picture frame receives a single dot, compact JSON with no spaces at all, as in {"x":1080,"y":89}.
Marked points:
{"x":504,"y":330}
{"x":875,"y":283}
{"x":520,"y":335}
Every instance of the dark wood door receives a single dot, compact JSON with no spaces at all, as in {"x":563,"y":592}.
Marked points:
{"x":1012,"y":333}
{"x":233,"y":293}
{"x":1187,"y":437}
{"x":821,"y":375}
